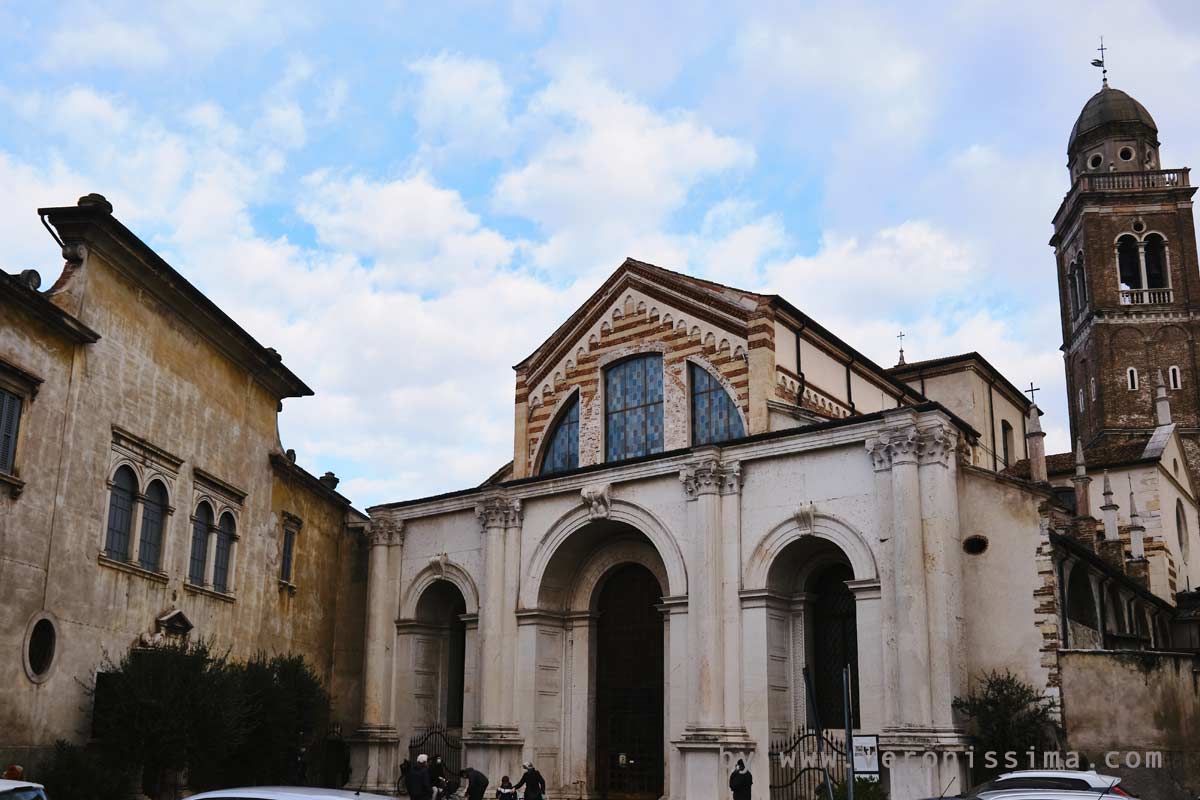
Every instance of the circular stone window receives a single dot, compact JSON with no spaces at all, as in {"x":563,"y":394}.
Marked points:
{"x":974,"y":545}
{"x":40,"y":647}
{"x":1126,"y":154}
{"x":1139,"y":226}
{"x":1095,"y":161}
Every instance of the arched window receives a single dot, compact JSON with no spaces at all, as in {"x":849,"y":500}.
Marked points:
{"x":1093,"y":385}
{"x":154,"y":514}
{"x":1081,"y":282}
{"x":1173,"y":375}
{"x":633,"y":408}
{"x":1156,"y":262}
{"x":1072,"y":293}
{"x":1079,"y":400}
{"x":1081,"y":611}
{"x":120,"y":513}
{"x":226,"y":531}
{"x":1131,"y":378}
{"x":1006,"y":440}
{"x":202,"y":523}
{"x":1128,"y":264}
{"x":562,"y":450}
{"x":1181,"y":529}
{"x":714,"y":416}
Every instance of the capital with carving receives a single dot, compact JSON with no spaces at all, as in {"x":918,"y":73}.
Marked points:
{"x":731,"y":478}
{"x":498,"y":512}
{"x":385,"y":532}
{"x":939,"y":443}
{"x":895,"y":446}
{"x":598,"y":499}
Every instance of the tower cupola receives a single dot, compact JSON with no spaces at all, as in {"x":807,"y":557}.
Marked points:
{"x":1114,"y":133}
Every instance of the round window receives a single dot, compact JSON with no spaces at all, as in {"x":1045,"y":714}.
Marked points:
{"x":42,"y":644}
{"x":974,"y":545}
{"x":1095,"y":161}
{"x":1126,"y":154}
{"x":1139,"y":226}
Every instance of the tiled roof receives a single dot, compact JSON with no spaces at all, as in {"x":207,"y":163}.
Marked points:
{"x":1099,"y":457}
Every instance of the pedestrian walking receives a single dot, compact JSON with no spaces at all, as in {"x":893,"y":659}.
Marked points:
{"x":506,"y":791}
{"x":477,"y":783}
{"x":534,"y":783}
{"x":420,"y":786}
{"x":437,"y":777}
{"x":740,"y":781}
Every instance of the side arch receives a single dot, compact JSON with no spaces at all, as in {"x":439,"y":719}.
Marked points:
{"x":824,"y":526}
{"x":439,"y":571}
{"x":620,"y":511}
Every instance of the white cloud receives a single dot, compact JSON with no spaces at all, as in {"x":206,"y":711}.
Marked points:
{"x":462,"y":106}
{"x":106,"y":42}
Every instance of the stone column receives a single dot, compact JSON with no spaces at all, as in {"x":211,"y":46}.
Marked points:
{"x":210,"y":555}
{"x":493,"y":745}
{"x":1035,"y":445}
{"x":375,"y":745}
{"x":708,"y":740}
{"x":135,"y":531}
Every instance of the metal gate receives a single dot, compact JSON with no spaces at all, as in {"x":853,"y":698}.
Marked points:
{"x":800,"y":761}
{"x":437,"y":740}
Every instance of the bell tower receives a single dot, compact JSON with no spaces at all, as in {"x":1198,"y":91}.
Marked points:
{"x":1128,"y":284}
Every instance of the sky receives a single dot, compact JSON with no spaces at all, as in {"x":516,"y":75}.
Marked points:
{"x":405,"y":199}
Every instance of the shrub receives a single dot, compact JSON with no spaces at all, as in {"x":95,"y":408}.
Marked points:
{"x":1006,"y":714}
{"x":76,"y":773}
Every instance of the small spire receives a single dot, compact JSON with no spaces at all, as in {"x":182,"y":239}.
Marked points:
{"x":1134,"y":517}
{"x":1108,"y":492}
{"x":901,"y":338}
{"x":1080,"y":464}
{"x":1162,"y":405}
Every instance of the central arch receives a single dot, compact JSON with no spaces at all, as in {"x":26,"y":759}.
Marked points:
{"x":602,"y":636}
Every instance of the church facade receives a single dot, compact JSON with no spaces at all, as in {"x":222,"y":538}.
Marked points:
{"x":715,"y":505}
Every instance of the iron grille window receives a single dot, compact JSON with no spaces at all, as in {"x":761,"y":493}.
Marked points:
{"x":289,"y":548}
{"x":714,"y":415}
{"x":154,"y":513}
{"x":562,"y":453}
{"x":633,"y":408}
{"x":10,"y":420}
{"x":225,"y":534}
{"x":120,"y":514}
{"x":201,"y":524}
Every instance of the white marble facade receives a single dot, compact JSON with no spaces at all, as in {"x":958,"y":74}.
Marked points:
{"x":731,"y":534}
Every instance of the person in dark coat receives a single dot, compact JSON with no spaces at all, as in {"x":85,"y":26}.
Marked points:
{"x":437,"y":776}
{"x":420,"y":785}
{"x":740,"y":781}
{"x":477,"y":783}
{"x":534,"y":783}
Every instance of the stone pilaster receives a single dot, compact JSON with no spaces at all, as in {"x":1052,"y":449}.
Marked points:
{"x":376,"y":745}
{"x":494,"y":743}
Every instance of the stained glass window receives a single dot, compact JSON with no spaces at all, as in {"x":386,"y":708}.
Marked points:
{"x":562,"y":452}
{"x":714,"y":416}
{"x":120,"y":514}
{"x":225,"y":533}
{"x":633,"y":408}
{"x":200,"y":527}
{"x":154,"y":512}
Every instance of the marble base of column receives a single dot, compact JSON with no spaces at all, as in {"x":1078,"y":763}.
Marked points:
{"x":375,"y":759}
{"x":494,"y":750}
{"x":709,"y":754}
{"x":925,"y":761}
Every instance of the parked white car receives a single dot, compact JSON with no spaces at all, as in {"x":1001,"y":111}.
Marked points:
{"x":21,"y":790}
{"x":284,"y":793}
{"x":1058,"y":780}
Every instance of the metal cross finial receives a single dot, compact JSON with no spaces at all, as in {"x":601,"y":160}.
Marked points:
{"x":1100,"y":62}
{"x":900,"y":337}
{"x":1031,"y":391}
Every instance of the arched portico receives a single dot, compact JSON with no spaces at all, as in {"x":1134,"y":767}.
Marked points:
{"x":595,"y":582}
{"x":812,"y":599}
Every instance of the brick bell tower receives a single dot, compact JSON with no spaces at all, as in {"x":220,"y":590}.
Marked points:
{"x":1128,"y":285}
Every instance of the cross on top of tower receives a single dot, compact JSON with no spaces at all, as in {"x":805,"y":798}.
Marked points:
{"x":900,"y":338}
{"x":1031,"y":391}
{"x":1099,"y":62}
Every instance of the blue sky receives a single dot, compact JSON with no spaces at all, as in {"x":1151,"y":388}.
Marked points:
{"x":405,"y":198}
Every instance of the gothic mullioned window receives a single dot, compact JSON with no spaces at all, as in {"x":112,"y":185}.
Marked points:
{"x":1156,"y":262}
{"x":633,"y":408}
{"x":197,"y":560}
{"x":714,"y":415}
{"x":120,"y":513}
{"x":1129,"y":263}
{"x":154,"y":514}
{"x":562,"y":450}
